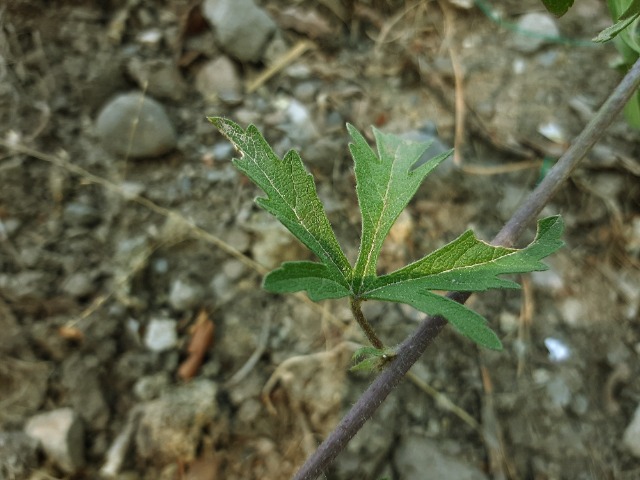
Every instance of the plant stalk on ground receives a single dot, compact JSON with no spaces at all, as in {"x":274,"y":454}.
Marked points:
{"x":414,"y":346}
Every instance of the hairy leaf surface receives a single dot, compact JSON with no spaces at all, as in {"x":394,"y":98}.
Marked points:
{"x":291,"y":194}
{"x":466,"y":264}
{"x":319,"y":281}
{"x":384,"y":183}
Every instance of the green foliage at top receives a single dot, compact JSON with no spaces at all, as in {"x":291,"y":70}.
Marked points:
{"x":558,"y":7}
{"x":626,"y":36}
{"x":625,"y":32}
{"x":385,"y":183}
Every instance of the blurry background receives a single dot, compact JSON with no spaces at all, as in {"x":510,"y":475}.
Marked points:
{"x":135,"y":340}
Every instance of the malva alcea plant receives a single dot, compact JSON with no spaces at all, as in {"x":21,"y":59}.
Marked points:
{"x":386,"y":181}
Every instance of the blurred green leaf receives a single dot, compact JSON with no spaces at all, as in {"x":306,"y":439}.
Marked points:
{"x":557,"y":7}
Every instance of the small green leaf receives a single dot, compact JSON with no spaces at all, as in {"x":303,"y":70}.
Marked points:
{"x":372,"y":359}
{"x":557,"y":7}
{"x":611,"y":32}
{"x":470,"y":265}
{"x":291,"y":194}
{"x":317,"y":279}
{"x":384,"y":184}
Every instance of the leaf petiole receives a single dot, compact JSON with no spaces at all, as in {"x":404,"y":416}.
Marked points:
{"x":356,"y":310}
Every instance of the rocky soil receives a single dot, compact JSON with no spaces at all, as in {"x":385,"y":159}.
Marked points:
{"x":136,"y":342}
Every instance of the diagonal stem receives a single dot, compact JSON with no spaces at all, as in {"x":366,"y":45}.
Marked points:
{"x":413,"y":347}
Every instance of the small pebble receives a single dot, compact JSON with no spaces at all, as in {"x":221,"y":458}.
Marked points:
{"x":170,"y":427}
{"x":160,"y":334}
{"x":153,"y":133}
{"x":185,"y":295}
{"x":79,"y":285}
{"x":219,"y":79}
{"x":558,"y":350}
{"x":61,"y":435}
{"x":242,"y":29}
{"x":536,"y":28}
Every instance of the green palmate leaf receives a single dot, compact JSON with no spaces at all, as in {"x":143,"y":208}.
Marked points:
{"x":291,"y":195}
{"x":466,"y":264}
{"x":384,"y":183}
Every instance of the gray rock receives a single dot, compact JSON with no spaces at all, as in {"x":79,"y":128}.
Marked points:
{"x":300,"y":127}
{"x":171,"y":426}
{"x":419,"y":458}
{"x":242,"y":29}
{"x":18,"y":455}
{"x":219,"y":79}
{"x":536,"y":28}
{"x":185,"y":295}
{"x":161,"y":77}
{"x":61,"y":435}
{"x":160,"y":334}
{"x":631,"y":436}
{"x":153,"y":135}
{"x":79,"y":284}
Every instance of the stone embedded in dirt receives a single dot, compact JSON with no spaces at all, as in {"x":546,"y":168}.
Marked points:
{"x":18,"y":454}
{"x":242,"y":29}
{"x":79,"y":285}
{"x":219,"y":80}
{"x":631,"y":436}
{"x":536,"y":28}
{"x":137,"y":114}
{"x":170,"y":427}
{"x":61,"y":435}
{"x":574,"y":312}
{"x":420,"y":458}
{"x":300,"y":126}
{"x":160,"y":334}
{"x":160,"y":76}
{"x":185,"y":295}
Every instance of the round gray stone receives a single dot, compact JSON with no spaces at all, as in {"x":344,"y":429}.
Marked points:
{"x":536,"y":29}
{"x":153,"y":133}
